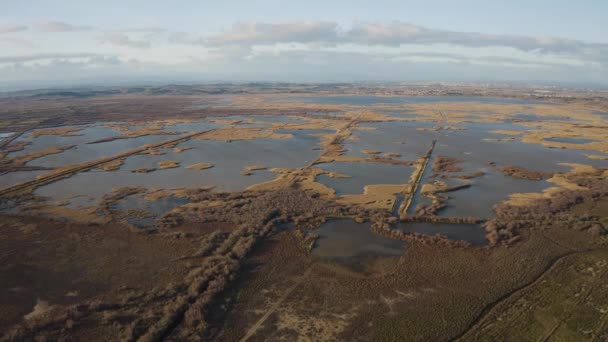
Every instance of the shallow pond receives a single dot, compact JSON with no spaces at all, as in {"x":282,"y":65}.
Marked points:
{"x":400,"y":137}
{"x":12,"y":178}
{"x":194,"y":126}
{"x":471,"y":147}
{"x":474,"y":152}
{"x":485,"y":192}
{"x":154,"y":208}
{"x":87,"y":152}
{"x":86,"y":134}
{"x":494,"y":126}
{"x":571,"y":140}
{"x":362,"y":174}
{"x":87,"y":188}
{"x":229,"y":160}
{"x":344,"y":238}
{"x":471,"y":233}
{"x":535,"y":117}
{"x":6,"y":135}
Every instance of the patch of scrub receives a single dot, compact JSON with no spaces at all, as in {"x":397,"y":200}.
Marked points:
{"x":274,"y":118}
{"x":401,"y":114}
{"x":306,"y":133}
{"x":154,"y":208}
{"x":255,"y":121}
{"x":362,"y":174}
{"x":344,"y":239}
{"x":210,"y":101}
{"x":471,"y":233}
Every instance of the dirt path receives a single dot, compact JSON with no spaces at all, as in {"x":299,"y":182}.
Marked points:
{"x":337,"y":136}
{"x":254,"y":328}
{"x":417,"y":180}
{"x":441,"y":122}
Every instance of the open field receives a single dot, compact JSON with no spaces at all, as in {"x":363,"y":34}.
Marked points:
{"x":337,"y":212}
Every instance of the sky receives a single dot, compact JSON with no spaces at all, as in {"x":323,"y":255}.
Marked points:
{"x":71,"y":43}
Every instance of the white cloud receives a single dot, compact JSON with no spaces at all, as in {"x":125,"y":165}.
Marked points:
{"x":46,"y":56}
{"x":250,"y":33}
{"x":20,"y":42}
{"x":58,"y":26}
{"x":301,"y":50}
{"x":12,"y":28}
{"x":393,"y":34}
{"x":121,"y":39}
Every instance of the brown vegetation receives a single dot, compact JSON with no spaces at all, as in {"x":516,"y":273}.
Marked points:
{"x":445,"y":164}
{"x":208,"y":269}
{"x":521,"y":173}
{"x":200,"y":166}
{"x":168,"y":164}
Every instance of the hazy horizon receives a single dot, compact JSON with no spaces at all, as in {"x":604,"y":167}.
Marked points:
{"x":65,"y":44}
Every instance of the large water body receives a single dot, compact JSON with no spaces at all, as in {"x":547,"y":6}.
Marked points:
{"x":86,"y":134}
{"x":401,"y":137}
{"x":343,"y":239}
{"x":363,"y":100}
{"x":229,"y":160}
{"x":475,"y":152}
{"x":13,"y":178}
{"x":406,"y":138}
{"x":87,"y":152}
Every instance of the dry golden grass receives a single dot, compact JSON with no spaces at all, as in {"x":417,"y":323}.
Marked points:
{"x":200,"y":166}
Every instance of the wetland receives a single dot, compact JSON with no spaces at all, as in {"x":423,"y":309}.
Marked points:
{"x":264,"y":215}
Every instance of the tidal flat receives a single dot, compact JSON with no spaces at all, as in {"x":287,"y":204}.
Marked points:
{"x":415,"y":217}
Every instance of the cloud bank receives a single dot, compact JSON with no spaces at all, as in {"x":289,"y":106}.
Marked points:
{"x":299,"y":50}
{"x":391,"y":34}
{"x":12,"y":28}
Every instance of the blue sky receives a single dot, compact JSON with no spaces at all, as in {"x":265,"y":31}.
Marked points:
{"x":72,"y":42}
